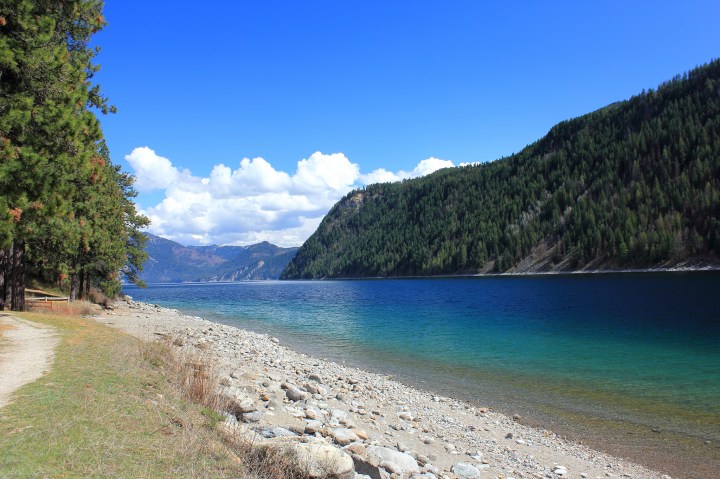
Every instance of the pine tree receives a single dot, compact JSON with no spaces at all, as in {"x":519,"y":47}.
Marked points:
{"x":50,"y":139}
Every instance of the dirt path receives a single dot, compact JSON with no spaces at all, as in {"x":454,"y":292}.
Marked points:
{"x":26,"y":353}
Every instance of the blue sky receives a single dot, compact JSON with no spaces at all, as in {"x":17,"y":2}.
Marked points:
{"x":246,"y":120}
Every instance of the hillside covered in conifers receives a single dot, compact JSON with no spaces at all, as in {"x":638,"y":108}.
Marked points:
{"x":633,"y":185}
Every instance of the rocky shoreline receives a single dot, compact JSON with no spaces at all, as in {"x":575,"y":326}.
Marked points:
{"x":364,"y":424}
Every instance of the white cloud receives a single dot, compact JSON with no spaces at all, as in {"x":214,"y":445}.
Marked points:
{"x":327,"y":172}
{"x":152,"y":172}
{"x":430,"y":165}
{"x":253,"y":202}
{"x":381,"y":175}
{"x":425,"y":167}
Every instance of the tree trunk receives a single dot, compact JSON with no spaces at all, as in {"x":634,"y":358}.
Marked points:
{"x":3,"y":277}
{"x":74,"y":283}
{"x":17,"y":285}
{"x":81,"y":286}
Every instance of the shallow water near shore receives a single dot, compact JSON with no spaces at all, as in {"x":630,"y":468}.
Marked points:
{"x":613,"y":360}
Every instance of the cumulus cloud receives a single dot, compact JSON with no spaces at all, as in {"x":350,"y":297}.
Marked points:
{"x":152,"y":172}
{"x":252,"y":201}
{"x":425,"y":167}
{"x":430,"y":165}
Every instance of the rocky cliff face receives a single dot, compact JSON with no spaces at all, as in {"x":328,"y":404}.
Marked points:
{"x":171,"y":262}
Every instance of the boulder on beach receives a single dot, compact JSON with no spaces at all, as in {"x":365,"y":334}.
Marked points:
{"x":463,"y":470}
{"x":238,"y":402}
{"x":322,"y":460}
{"x":405,"y":462}
{"x":295,"y":394}
{"x":343,"y":436}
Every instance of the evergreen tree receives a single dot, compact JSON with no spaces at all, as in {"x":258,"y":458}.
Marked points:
{"x":50,"y":140}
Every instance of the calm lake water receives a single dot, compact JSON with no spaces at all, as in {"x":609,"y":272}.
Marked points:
{"x":603,"y":358}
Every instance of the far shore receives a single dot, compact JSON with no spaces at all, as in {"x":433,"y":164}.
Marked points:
{"x":374,"y":408}
{"x":709,"y":268}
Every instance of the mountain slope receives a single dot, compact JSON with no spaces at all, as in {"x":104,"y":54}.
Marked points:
{"x":171,"y":262}
{"x":634,"y":184}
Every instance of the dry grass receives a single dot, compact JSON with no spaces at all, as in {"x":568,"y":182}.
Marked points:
{"x":269,"y":463}
{"x":98,"y":297}
{"x":104,"y":410}
{"x":59,"y":308}
{"x":195,"y":378}
{"x":192,"y":376}
{"x":114,"y":406}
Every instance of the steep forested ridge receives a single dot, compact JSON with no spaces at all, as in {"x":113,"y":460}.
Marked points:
{"x":635,"y":184}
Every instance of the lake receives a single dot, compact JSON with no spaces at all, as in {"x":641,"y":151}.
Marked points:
{"x":611,"y":360}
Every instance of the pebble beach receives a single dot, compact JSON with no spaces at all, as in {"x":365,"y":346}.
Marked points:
{"x":373,"y":425}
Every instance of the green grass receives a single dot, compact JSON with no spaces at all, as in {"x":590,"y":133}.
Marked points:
{"x":108,"y":409}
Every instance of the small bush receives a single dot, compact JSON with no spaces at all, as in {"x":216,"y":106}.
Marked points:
{"x":98,"y":297}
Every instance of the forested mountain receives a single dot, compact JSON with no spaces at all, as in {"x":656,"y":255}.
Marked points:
{"x":632,"y":185}
{"x":171,"y":262}
{"x":66,"y":212}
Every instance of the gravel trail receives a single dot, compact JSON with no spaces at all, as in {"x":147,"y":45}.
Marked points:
{"x":26,"y":353}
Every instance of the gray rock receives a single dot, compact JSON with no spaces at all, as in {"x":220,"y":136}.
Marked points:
{"x":229,"y":419}
{"x":560,"y":470}
{"x":313,"y":426}
{"x":275,"y":405}
{"x":237,"y":402}
{"x":314,"y":377}
{"x":406,"y":462}
{"x":294,"y":394}
{"x":364,"y":467}
{"x":338,"y":414}
{"x":432,"y":469}
{"x":271,"y":432}
{"x":322,"y":460}
{"x":315,"y":388}
{"x":254,"y":416}
{"x":343,"y":436}
{"x":391,"y":467}
{"x":463,"y":470}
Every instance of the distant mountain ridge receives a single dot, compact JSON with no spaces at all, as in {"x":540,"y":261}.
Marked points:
{"x":633,"y":185}
{"x":171,"y":262}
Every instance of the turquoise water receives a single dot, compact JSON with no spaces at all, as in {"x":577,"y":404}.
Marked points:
{"x":639,"y":349}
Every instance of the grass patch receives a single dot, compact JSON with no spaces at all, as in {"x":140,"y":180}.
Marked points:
{"x":115,"y":406}
{"x":109,"y":408}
